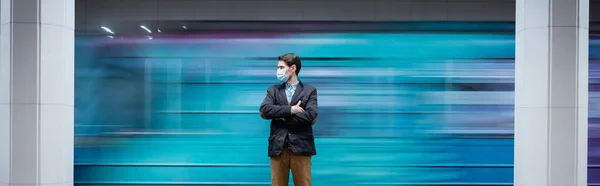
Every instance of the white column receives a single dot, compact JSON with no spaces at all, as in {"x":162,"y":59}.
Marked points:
{"x":36,"y":92}
{"x":551,"y":93}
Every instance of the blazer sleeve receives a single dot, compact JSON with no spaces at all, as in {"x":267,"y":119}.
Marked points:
{"x":309,"y":116}
{"x":268,"y":109}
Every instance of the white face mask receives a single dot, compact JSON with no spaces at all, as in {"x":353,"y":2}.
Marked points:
{"x":282,"y":76}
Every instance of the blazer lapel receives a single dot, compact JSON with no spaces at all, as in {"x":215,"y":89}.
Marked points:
{"x":297,"y":93}
{"x":281,"y":94}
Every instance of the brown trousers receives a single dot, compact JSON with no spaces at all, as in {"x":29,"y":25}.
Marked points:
{"x":300,"y":166}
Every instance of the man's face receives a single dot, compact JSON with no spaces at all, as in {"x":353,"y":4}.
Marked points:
{"x":288,"y":70}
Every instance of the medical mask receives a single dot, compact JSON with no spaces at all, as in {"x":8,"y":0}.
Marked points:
{"x":281,"y":76}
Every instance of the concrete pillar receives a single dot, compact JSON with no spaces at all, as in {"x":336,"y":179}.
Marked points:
{"x":36,"y":92}
{"x":551,"y":92}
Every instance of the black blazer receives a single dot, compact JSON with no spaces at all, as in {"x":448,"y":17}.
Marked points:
{"x":296,"y":128}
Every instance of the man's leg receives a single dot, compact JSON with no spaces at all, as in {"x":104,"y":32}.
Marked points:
{"x":280,"y":169}
{"x":301,"y":170}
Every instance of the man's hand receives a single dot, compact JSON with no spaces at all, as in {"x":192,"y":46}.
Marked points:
{"x":297,"y":109}
{"x":263,"y":116}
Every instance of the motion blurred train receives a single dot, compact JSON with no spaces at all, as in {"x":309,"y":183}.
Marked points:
{"x":400,"y":103}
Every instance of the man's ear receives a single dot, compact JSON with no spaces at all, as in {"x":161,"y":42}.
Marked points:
{"x":293,"y":68}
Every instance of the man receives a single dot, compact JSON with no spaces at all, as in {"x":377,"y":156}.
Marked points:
{"x":292,"y":108}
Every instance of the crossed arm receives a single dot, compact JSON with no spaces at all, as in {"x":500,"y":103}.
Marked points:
{"x":268,"y":110}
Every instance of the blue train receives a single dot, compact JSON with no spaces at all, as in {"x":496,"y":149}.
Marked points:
{"x":400,"y":104}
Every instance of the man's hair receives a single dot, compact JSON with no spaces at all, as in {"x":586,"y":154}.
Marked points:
{"x":291,"y":59}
